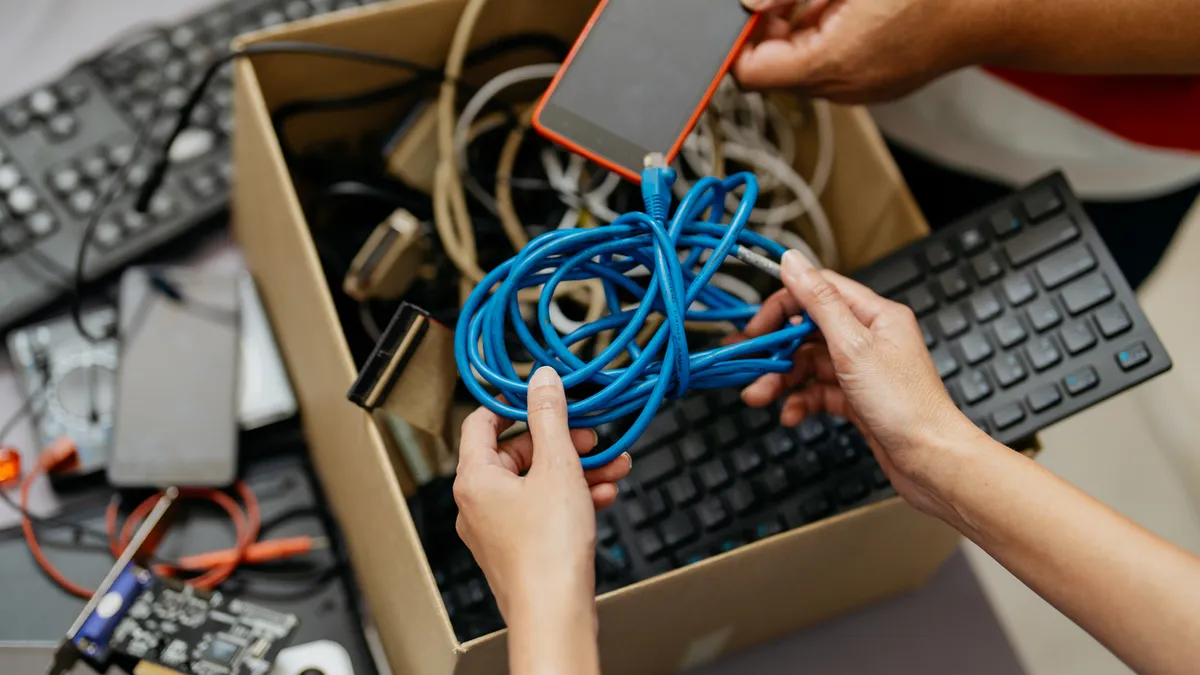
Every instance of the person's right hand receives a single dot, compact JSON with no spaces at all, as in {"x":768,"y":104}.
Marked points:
{"x":865,"y":51}
{"x":869,"y":364}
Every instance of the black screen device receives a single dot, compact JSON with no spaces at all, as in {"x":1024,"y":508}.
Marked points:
{"x":639,"y":78}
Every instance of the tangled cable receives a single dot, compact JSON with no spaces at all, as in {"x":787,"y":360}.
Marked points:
{"x":664,"y":367}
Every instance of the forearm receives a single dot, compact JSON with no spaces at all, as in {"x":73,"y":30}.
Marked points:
{"x":553,"y":636}
{"x":1134,"y":592}
{"x":1083,"y":36}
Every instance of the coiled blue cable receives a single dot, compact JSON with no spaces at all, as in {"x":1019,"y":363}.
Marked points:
{"x":664,"y":368}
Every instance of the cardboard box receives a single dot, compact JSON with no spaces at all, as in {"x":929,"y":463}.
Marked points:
{"x":681,"y":619}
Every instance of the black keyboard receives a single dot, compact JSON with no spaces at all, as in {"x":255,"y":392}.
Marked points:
{"x":1028,"y":320}
{"x":62,"y":142}
{"x":1024,"y":310}
{"x":709,"y":475}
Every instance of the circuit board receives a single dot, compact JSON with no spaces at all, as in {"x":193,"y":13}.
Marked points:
{"x":197,"y":633}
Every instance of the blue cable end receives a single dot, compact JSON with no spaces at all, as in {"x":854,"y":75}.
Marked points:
{"x":657,"y":179}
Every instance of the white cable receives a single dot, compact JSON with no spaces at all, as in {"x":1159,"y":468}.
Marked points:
{"x":539,"y":71}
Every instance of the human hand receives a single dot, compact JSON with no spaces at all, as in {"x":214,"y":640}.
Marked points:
{"x":864,"y":51}
{"x":868,"y":364}
{"x":526,"y":506}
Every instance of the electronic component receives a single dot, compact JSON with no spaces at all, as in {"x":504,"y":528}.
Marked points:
{"x":639,"y":78}
{"x":412,"y":152}
{"x":75,"y":380}
{"x":408,"y":381}
{"x":60,"y":143}
{"x":389,"y":261}
{"x":323,"y":657}
{"x":176,"y":408}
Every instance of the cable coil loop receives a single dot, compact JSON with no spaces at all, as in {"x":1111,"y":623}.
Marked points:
{"x":664,"y":368}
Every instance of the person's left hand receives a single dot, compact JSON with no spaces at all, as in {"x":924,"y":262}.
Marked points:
{"x":526,"y":506}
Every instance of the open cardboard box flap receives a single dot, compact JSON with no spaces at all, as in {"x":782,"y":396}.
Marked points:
{"x":678,"y":620}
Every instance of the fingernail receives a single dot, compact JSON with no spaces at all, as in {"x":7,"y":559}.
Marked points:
{"x":795,"y":264}
{"x":545,"y":376}
{"x":628,"y":458}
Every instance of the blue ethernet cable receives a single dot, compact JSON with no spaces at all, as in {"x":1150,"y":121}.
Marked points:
{"x":664,"y":368}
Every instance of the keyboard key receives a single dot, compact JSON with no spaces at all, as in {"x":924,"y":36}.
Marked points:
{"x":678,"y":530}
{"x":726,"y":433}
{"x":879,"y":478}
{"x":1112,"y":320}
{"x":768,"y":528}
{"x":43,"y":103}
{"x":65,"y":181}
{"x":758,"y":420}
{"x":986,"y":267}
{"x":693,"y":449}
{"x":107,"y":234}
{"x":746,"y":460}
{"x":1066,"y":265}
{"x":1078,"y":337}
{"x":74,"y":93}
{"x":852,"y":490}
{"x":1043,"y":398}
{"x":605,"y":532}
{"x":1005,"y":223}
{"x":94,"y":167}
{"x":62,"y":126}
{"x":297,"y":9}
{"x":15,"y":118}
{"x":893,"y":276}
{"x":846,"y":451}
{"x":203,"y":186}
{"x":1081,"y":380}
{"x":779,"y":444}
{"x":741,"y":498}
{"x":928,"y":335}
{"x":1043,"y":354}
{"x":133,"y":221}
{"x":81,"y":201}
{"x":12,"y":238}
{"x":1008,"y":416}
{"x":975,"y":387}
{"x":644,"y":507}
{"x":1043,"y":315}
{"x":649,"y":544}
{"x":712,"y":513}
{"x":10,"y":178}
{"x":808,"y":466}
{"x":1008,"y":370}
{"x":1037,"y":242}
{"x":811,"y":430}
{"x":985,"y":306}
{"x":975,"y":348}
{"x":815,"y":508}
{"x":945,"y":363}
{"x":1133,"y":356}
{"x":1041,"y":203}
{"x":938,"y":256}
{"x":1009,"y":331}
{"x":22,"y":200}
{"x":652,"y":468}
{"x":714,"y":475}
{"x":682,"y":491}
{"x":1018,"y":290}
{"x":952,"y":322}
{"x":920,"y":300}
{"x":730,"y":544}
{"x":775,"y":481}
{"x":40,"y":224}
{"x":1086,"y":294}
{"x":953,"y":284}
{"x":971,"y":241}
{"x":695,"y":410}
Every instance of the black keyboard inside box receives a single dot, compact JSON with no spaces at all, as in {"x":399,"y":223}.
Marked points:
{"x":61,"y":144}
{"x":1026,"y":314}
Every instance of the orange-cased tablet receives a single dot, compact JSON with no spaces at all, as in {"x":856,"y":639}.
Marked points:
{"x":625,"y":169}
